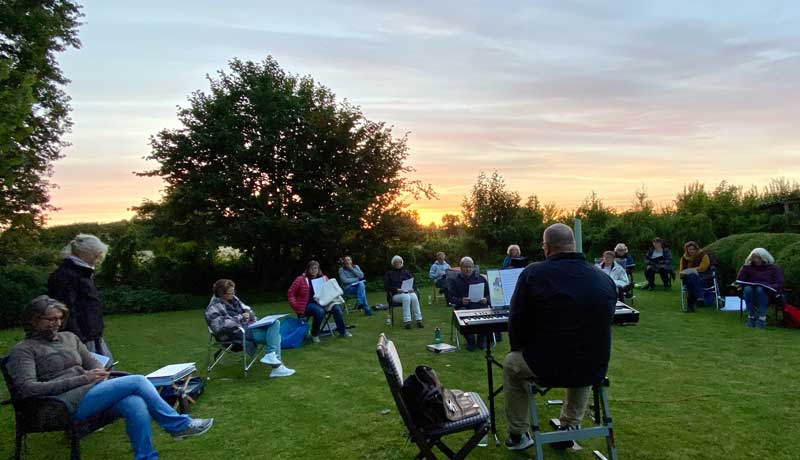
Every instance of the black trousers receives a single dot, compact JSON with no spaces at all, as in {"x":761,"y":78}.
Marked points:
{"x":650,"y":273}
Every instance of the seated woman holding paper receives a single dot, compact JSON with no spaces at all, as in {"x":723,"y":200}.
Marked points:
{"x":53,"y":363}
{"x":352,"y":279}
{"x":514,"y":258}
{"x":225,"y":314}
{"x":396,"y":293}
{"x":694,"y":262}
{"x":659,"y":260}
{"x":464,"y":296}
{"x":304,"y":301}
{"x":616,"y":272}
{"x":762,"y":279}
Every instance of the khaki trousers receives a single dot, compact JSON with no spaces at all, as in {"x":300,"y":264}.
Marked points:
{"x":516,"y":378}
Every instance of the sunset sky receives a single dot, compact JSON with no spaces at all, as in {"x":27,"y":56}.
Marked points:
{"x":561,"y":97}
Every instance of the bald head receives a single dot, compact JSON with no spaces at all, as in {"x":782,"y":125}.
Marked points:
{"x":558,"y":238}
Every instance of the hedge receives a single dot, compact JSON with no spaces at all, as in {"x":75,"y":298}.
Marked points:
{"x":733,"y":250}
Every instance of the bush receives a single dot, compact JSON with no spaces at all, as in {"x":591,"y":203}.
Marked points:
{"x":125,"y":299}
{"x":732,"y":251}
{"x":21,"y":283}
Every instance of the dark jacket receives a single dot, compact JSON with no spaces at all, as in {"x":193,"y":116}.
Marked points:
{"x":393,"y":279}
{"x":72,"y":285}
{"x":458,"y":288}
{"x":561,"y":314}
{"x":766,"y":274}
{"x":665,"y":261}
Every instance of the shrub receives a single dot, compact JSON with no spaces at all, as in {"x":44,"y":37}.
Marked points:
{"x":21,"y":283}
{"x":125,"y":299}
{"x":732,"y":251}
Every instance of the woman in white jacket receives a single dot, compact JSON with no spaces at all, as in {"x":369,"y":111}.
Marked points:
{"x":617,"y":273}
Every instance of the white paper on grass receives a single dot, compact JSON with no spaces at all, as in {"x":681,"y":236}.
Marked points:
{"x":408,"y":285}
{"x":732,"y":303}
{"x":266,"y":321}
{"x":475,"y":292}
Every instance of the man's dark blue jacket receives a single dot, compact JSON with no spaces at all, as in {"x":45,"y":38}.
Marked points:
{"x":458,"y":288}
{"x":561,"y":315}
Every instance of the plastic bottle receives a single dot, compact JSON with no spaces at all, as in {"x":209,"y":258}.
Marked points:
{"x":430,"y":300}
{"x":388,"y":319}
{"x":437,"y":335}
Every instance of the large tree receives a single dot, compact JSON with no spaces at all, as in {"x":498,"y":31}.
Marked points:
{"x":33,"y":107}
{"x":270,"y":163}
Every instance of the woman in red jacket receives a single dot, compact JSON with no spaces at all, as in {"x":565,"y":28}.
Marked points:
{"x":304,"y":302}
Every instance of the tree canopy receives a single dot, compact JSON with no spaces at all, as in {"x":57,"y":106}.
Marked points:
{"x":270,"y":163}
{"x":33,"y":108}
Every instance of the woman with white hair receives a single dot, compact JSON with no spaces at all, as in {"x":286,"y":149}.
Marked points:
{"x":764,"y":279}
{"x":512,"y":253}
{"x":393,"y":282}
{"x":72,"y":285}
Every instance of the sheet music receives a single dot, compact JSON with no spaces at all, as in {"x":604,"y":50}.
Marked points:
{"x":317,"y":283}
{"x":103,"y":360}
{"x":748,"y":283}
{"x":509,"y":280}
{"x":475,"y":292}
{"x":496,"y":296}
{"x":265,"y":321}
{"x":408,"y":285}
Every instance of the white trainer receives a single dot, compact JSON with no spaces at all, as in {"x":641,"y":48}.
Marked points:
{"x":281,"y":371}
{"x":272,"y":359}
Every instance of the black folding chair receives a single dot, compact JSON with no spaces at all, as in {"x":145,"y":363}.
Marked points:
{"x":42,"y":414}
{"x":426,"y":438}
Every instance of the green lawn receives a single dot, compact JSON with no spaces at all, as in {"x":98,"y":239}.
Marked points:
{"x":683,"y":386}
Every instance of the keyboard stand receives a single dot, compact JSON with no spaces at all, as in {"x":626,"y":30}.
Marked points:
{"x":490,"y":361}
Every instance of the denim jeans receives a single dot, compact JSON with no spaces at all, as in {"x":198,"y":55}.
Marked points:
{"x":317,"y":312}
{"x":410,"y":304}
{"x":694,"y":287}
{"x":135,"y":399}
{"x":359,"y":291}
{"x":757,"y":301}
{"x":269,"y":336}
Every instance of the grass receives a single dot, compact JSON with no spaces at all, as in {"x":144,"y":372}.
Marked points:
{"x":696,"y":386}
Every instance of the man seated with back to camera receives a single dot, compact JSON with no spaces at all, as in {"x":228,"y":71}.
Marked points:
{"x":459,"y":296}
{"x":560,"y":333}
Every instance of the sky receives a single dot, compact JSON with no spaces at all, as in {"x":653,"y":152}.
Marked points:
{"x":561,"y":97}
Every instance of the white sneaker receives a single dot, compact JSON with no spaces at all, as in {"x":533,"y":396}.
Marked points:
{"x":281,"y":371}
{"x":346,"y":334}
{"x":315,"y":339}
{"x":272,"y":359}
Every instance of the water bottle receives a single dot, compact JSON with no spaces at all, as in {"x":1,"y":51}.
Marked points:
{"x":430,"y":300}
{"x":437,"y":335}
{"x":388,"y":319}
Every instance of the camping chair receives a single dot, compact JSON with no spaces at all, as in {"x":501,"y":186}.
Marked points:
{"x":600,"y":415}
{"x":229,"y":346}
{"x":710,"y":285}
{"x":778,"y":301}
{"x":41,"y":414}
{"x":426,"y":438}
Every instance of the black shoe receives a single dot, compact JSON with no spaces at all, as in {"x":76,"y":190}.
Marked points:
{"x":419,"y":324}
{"x":407,"y":325}
{"x":650,"y":287}
{"x":561,"y":445}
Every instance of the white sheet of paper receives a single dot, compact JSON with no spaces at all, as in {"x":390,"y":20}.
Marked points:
{"x":732,"y":303}
{"x":103,"y":360}
{"x":475,"y":292}
{"x":408,"y":285}
{"x":265,"y":321}
{"x":317,"y":283}
{"x":509,"y":279}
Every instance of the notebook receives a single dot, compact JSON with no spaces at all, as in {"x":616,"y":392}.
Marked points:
{"x":170,"y":373}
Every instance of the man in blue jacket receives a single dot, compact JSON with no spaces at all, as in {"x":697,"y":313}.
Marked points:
{"x":560,"y":334}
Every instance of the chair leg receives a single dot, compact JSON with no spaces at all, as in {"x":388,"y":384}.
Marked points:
{"x":18,"y":445}
{"x":75,"y":447}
